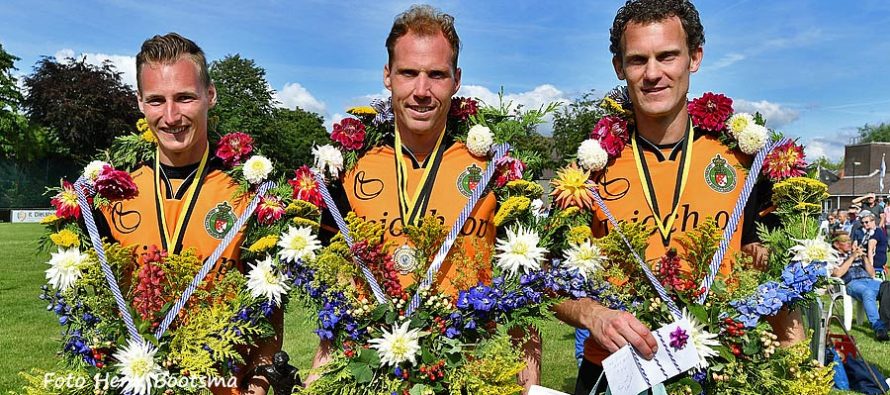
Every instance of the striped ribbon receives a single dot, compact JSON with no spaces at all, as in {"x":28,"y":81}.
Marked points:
{"x":344,"y":231}
{"x":210,"y":262}
{"x":81,"y":186}
{"x":439,"y":259}
{"x":655,"y":283}
{"x":733,"y":222}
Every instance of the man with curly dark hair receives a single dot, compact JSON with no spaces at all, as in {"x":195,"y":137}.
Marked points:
{"x":656,"y":47}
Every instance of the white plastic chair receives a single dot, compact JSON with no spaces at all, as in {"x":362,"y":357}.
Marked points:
{"x":838,"y":291}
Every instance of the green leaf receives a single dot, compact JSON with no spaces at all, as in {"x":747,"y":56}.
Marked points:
{"x":361,"y":372}
{"x":417,"y":389}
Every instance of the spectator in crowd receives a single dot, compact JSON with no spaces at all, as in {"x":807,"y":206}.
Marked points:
{"x":875,"y":241}
{"x":858,"y":276}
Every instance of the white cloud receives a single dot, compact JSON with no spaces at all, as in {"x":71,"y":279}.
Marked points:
{"x":295,"y":95}
{"x":775,"y":114}
{"x":123,"y":63}
{"x":728,"y":60}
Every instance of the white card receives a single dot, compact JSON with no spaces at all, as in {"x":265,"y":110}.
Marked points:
{"x":538,"y":390}
{"x":624,"y":376}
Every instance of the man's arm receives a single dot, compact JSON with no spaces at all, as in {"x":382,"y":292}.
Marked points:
{"x":842,"y":269}
{"x":323,"y":355}
{"x":611,"y":329}
{"x":263,"y":352}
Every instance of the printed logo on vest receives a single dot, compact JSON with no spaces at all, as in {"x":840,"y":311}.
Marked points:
{"x":219,"y":220}
{"x":720,"y":176}
{"x":468,"y":180}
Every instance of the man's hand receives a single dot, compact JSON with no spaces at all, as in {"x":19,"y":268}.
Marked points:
{"x":613,"y":329}
{"x":758,"y":253}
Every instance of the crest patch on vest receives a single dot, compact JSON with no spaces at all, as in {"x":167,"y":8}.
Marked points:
{"x":219,"y":220}
{"x":720,"y":176}
{"x":468,"y":180}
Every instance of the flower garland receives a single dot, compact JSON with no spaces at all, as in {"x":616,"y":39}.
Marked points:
{"x":710,"y":113}
{"x":451,"y":342}
{"x":216,"y":322}
{"x":738,"y":351}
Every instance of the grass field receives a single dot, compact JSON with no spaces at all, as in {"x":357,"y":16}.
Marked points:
{"x":29,"y":334}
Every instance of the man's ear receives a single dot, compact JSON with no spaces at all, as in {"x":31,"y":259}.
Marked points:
{"x":387,"y":80}
{"x":457,"y":73}
{"x":619,"y":67}
{"x":211,"y":91}
{"x":139,"y":102}
{"x":695,"y":58}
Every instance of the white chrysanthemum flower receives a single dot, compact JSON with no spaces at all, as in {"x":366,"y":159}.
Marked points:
{"x":91,"y":172}
{"x":328,"y":158}
{"x":520,"y":251}
{"x":137,"y":365}
{"x":592,"y":156}
{"x":256,"y":169}
{"x":753,"y":138}
{"x":298,"y":243}
{"x":585,"y":257}
{"x":65,"y":267}
{"x":262,"y":281}
{"x":479,"y":140}
{"x":400,"y":345}
{"x":814,"y":250}
{"x":702,"y":340}
{"x":738,"y":122}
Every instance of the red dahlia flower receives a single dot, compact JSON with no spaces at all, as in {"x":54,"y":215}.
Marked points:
{"x":269,"y":210}
{"x":65,"y":202}
{"x":509,"y":169}
{"x":710,"y":111}
{"x":463,"y":108}
{"x":115,"y":184}
{"x":785,"y":161}
{"x":234,"y":147}
{"x":611,"y":132}
{"x":350,"y":133}
{"x":305,"y":187}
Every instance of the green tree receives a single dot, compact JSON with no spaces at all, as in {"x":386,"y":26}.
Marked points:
{"x":244,"y":98}
{"x":289,"y":138}
{"x":828,"y":164}
{"x":246,"y":104}
{"x":83,"y":106}
{"x":572,"y":125}
{"x":18,"y":138}
{"x":874,"y":133}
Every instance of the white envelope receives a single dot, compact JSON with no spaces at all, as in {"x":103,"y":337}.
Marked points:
{"x":624,"y":375}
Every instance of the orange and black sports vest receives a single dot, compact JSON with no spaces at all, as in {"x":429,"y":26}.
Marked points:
{"x":206,"y":217}
{"x":713,"y":184}
{"x":371,"y":191}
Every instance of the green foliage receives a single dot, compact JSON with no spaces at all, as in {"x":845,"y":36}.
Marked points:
{"x":700,"y":244}
{"x":246,"y":104}
{"x":517,"y":126}
{"x":874,"y":133}
{"x":19,"y":139}
{"x":572,"y":125}
{"x":84,"y":106}
{"x":127,"y":152}
{"x":491,"y":371}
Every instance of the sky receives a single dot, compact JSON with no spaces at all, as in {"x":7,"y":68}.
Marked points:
{"x":816,"y":69}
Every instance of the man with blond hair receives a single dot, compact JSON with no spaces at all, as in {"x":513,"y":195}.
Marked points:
{"x":422,"y":75}
{"x":183,"y":190}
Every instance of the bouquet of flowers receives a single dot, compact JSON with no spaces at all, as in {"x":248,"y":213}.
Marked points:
{"x":738,"y":350}
{"x":417,"y":339}
{"x":114,"y":301}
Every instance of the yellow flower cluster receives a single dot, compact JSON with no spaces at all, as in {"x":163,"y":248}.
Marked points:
{"x":800,"y":195}
{"x":609,"y":104}
{"x":362,"y":111}
{"x":511,"y":208}
{"x":49,"y":219}
{"x":361,"y":229}
{"x":65,"y":238}
{"x":807,"y":376}
{"x":579,"y":234}
{"x":303,"y":209}
{"x":300,"y":221}
{"x":263,"y":244}
{"x":145,"y":132}
{"x":529,"y":189}
{"x":493,"y":372}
